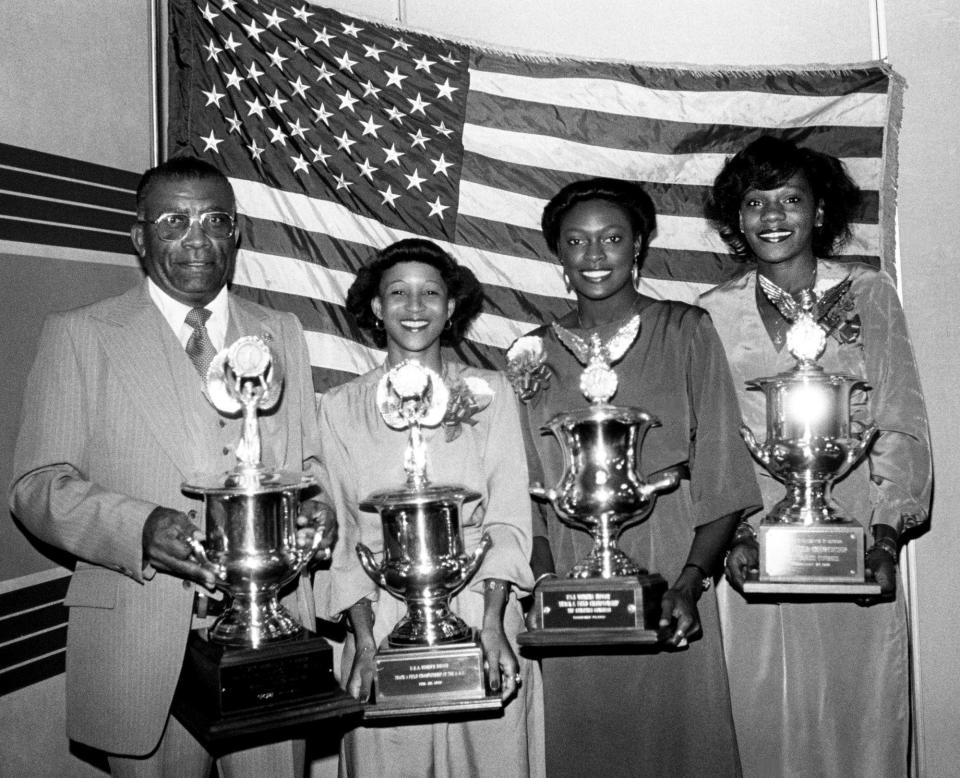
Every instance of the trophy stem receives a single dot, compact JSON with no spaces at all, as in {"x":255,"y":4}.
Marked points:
{"x":806,"y":502}
{"x":254,"y":617}
{"x":429,"y":622}
{"x":606,"y":560}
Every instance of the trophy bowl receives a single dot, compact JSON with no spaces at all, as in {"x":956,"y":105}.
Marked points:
{"x":600,"y":490}
{"x":251,"y":545}
{"x":423,"y":563}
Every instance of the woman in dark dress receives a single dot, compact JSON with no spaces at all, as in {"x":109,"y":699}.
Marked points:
{"x":634,"y":713}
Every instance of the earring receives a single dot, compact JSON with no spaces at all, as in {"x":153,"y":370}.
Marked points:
{"x":635,"y":273}
{"x":448,"y":324}
{"x":377,"y":323}
{"x":566,"y":281}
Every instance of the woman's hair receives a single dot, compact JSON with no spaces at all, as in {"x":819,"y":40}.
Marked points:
{"x":462,"y":287}
{"x":768,"y":163}
{"x":629,"y":196}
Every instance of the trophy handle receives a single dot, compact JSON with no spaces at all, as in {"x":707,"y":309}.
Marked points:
{"x":538,"y":491}
{"x":199,"y":553}
{"x":476,"y":558}
{"x":760,"y":453}
{"x":370,"y":567}
{"x":667,"y":480}
{"x":858,"y":449}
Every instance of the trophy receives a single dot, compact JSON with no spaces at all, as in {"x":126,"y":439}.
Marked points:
{"x":258,"y":668}
{"x":431,"y":662}
{"x":606,"y":598}
{"x":806,"y":545}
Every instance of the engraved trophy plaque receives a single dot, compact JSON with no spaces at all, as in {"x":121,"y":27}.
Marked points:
{"x":807,"y":546}
{"x":431,"y":662}
{"x":258,"y":668}
{"x":606,"y":598}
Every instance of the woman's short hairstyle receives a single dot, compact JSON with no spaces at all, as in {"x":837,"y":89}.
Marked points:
{"x":462,"y":287}
{"x":768,"y":163}
{"x":628,"y":195}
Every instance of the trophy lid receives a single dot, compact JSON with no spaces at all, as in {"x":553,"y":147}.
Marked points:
{"x":604,"y":412}
{"x":434,"y":493}
{"x":808,"y":374}
{"x":247,"y":481}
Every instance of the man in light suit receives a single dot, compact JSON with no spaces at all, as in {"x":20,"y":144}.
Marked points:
{"x":113,"y":421}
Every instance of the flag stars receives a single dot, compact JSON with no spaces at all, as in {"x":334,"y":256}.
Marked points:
{"x":277,"y":58}
{"x":213,"y":97}
{"x":230,"y":44}
{"x":345,"y":62}
{"x":369,"y":90}
{"x":273,"y":19}
{"x":255,"y":150}
{"x":389,"y":196}
{"x":344,"y":142}
{"x":255,"y":107}
{"x":370,"y":127}
{"x":417,"y":105}
{"x":437,"y":208}
{"x":230,"y":5}
{"x":303,"y":14}
{"x":213,"y":51}
{"x":342,"y":182}
{"x":320,"y":156}
{"x":366,"y":169}
{"x":208,"y":14}
{"x":394,"y":78}
{"x":298,"y":87}
{"x":400,"y":43}
{"x":300,"y":164}
{"x":414,"y":180}
{"x":392,"y":154}
{"x":442,"y":129}
{"x":277,"y":135}
{"x":449,"y":59}
{"x":350,"y":29}
{"x":372,"y":52}
{"x":424,"y":64}
{"x":297,"y":129}
{"x":323,"y":37}
{"x":394,"y":114}
{"x":347,"y":101}
{"x":445,"y":90}
{"x":440,"y":165}
{"x":276,"y":102}
{"x":253,"y":30}
{"x":323,"y":74}
{"x":299,"y":46}
{"x":211,"y":142}
{"x":234,"y":79}
{"x":321,"y":114}
{"x":418,"y":139}
{"x":254,"y":73}
{"x":235,"y":124}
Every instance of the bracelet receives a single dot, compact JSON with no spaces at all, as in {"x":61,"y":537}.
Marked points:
{"x":705,"y":578}
{"x":495,"y":585}
{"x":885,"y":544}
{"x":543,"y":577}
{"x":744,"y":531}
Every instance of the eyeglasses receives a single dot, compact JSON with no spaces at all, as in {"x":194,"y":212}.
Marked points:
{"x":174,"y":226}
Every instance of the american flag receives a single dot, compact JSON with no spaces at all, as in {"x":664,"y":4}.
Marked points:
{"x":341,"y":135}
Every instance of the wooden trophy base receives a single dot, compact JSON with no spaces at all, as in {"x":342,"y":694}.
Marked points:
{"x":596,"y":612}
{"x":229,"y":697}
{"x":811,"y":560}
{"x":430,"y":681}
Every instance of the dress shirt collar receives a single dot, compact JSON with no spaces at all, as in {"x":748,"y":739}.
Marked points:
{"x":175,"y":312}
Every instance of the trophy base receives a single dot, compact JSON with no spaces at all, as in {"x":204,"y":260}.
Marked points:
{"x":817,"y":560}
{"x":596,"y":612}
{"x":259,"y":695}
{"x":419,"y":681}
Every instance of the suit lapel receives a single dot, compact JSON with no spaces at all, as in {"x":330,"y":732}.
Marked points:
{"x":131,"y":335}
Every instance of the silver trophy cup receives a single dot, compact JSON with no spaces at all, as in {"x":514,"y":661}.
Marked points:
{"x":600,"y":490}
{"x":252,"y":539}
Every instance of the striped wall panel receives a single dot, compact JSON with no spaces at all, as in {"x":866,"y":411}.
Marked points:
{"x":33,"y":630}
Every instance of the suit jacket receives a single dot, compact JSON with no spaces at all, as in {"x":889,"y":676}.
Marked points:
{"x":113,"y":422}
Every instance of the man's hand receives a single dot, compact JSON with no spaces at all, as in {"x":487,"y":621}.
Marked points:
{"x":168,"y":542}
{"x":743,"y":557}
{"x":317,"y":528}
